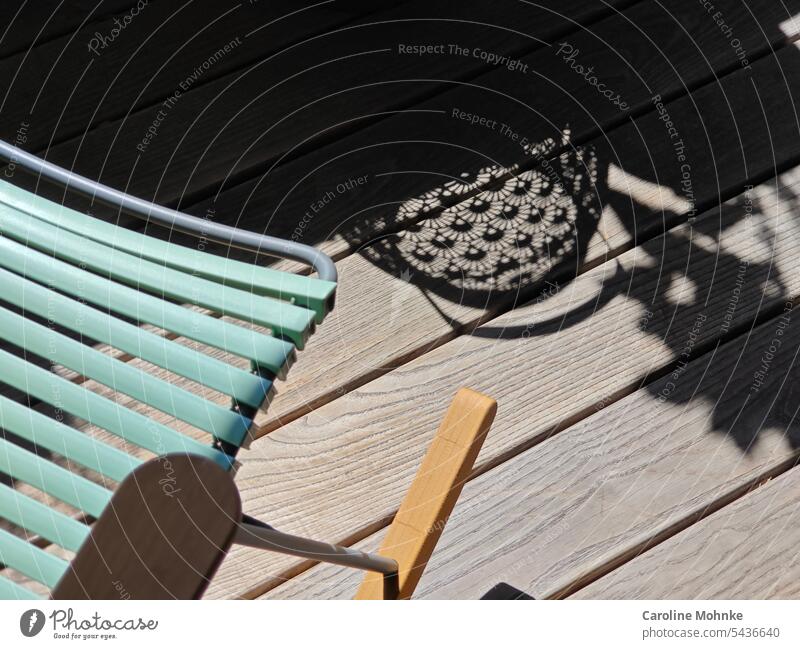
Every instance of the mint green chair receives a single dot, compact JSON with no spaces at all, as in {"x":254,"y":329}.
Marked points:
{"x":69,"y":281}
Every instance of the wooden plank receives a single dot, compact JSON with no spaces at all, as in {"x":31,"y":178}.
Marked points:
{"x":404,"y":161}
{"x":307,"y":95}
{"x":103,"y":72}
{"x":423,"y":514}
{"x":548,"y":365}
{"x":627,"y":476}
{"x":747,"y":550}
{"x":28,"y":24}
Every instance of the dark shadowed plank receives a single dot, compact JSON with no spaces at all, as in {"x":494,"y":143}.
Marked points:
{"x":308,"y":94}
{"x":416,"y":163}
{"x":105,"y":71}
{"x":27,"y":23}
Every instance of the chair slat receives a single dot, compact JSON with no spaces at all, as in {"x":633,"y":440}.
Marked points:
{"x":31,"y":561}
{"x":40,"y":519}
{"x":102,"y":412}
{"x":123,"y":377}
{"x":10,"y":590}
{"x":266,"y":351}
{"x":57,"y":481}
{"x":306,"y":291}
{"x":292,"y":322}
{"x":243,"y":386}
{"x":54,"y":436}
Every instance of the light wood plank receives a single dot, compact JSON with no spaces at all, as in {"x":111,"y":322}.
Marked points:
{"x":596,"y":494}
{"x":549,"y":365}
{"x":747,"y":550}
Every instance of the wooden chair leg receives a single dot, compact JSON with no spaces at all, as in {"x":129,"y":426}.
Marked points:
{"x":162,"y":536}
{"x":420,"y":521}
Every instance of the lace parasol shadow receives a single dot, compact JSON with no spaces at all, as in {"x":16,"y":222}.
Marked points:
{"x":494,"y":247}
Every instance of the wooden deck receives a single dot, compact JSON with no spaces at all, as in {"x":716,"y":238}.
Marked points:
{"x":621,"y":279}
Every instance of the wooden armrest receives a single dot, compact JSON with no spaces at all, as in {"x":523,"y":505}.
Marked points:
{"x":420,"y":521}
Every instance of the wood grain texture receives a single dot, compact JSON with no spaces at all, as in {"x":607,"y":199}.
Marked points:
{"x":162,"y":536}
{"x":554,"y":362}
{"x":747,"y":550}
{"x":421,"y":519}
{"x":27,"y":25}
{"x":96,"y":75}
{"x":637,"y":471}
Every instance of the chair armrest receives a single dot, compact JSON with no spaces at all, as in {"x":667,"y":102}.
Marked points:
{"x":418,"y":524}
